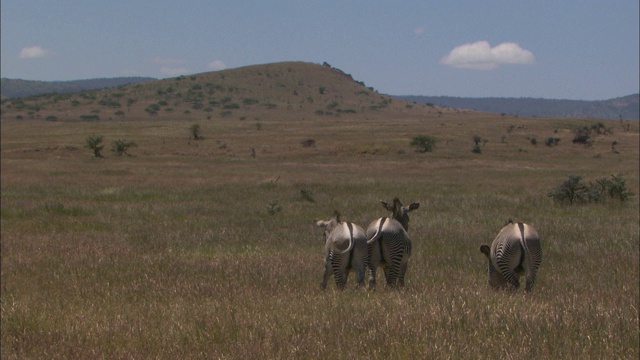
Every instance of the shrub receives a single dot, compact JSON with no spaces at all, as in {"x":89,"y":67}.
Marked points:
{"x":615,"y":187}
{"x":152,"y":109}
{"x":273,"y":207}
{"x":424,"y":143}
{"x":121,"y":146}
{"x":583,"y":136}
{"x":195,"y":132}
{"x":307,"y":195}
{"x":109,"y":102}
{"x":574,"y":191}
{"x":551,"y":141}
{"x":95,"y":143}
{"x":249,"y":101}
{"x":476,"y":149}
{"x":308,"y":143}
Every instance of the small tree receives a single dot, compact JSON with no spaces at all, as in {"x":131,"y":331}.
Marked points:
{"x":477,"y":139}
{"x":121,"y":146}
{"x":571,"y":190}
{"x":424,"y":143}
{"x":94,"y":143}
{"x":195,"y":132}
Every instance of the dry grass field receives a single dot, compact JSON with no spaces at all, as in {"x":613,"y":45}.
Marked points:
{"x":196,"y":249}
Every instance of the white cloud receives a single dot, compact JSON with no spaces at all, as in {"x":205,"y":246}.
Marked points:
{"x":481,"y":56}
{"x":216,"y":65}
{"x":31,"y":52}
{"x":419,"y":30}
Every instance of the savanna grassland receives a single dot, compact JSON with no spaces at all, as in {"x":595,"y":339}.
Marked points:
{"x":208,"y":248}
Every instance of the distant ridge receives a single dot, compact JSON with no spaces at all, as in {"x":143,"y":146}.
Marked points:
{"x":626,"y":107}
{"x":307,"y":88}
{"x":18,"y":88}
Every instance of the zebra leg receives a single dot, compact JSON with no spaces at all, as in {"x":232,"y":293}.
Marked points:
{"x":340,"y":275}
{"x":359,"y":278}
{"x":372,"y":277}
{"x":388,"y":276}
{"x":403,"y":271}
{"x":511,"y":278}
{"x":327,"y":273}
{"x":530,"y":279}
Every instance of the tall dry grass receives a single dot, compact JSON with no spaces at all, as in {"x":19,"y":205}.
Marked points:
{"x":173,"y":253}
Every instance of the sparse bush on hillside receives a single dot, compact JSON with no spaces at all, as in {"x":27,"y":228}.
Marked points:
{"x":424,"y":143}
{"x":109,"y":102}
{"x":95,"y":143}
{"x":574,"y":191}
{"x":120,"y":147}
{"x":476,"y":149}
{"x":551,"y":141}
{"x":152,"y":109}
{"x":249,"y":101}
{"x":89,"y":117}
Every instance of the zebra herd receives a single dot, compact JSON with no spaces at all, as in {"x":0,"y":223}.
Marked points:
{"x":515,"y":251}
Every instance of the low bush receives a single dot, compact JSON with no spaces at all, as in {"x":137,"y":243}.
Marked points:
{"x":574,"y":191}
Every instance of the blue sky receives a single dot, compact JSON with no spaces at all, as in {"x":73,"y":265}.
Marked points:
{"x":574,"y":49}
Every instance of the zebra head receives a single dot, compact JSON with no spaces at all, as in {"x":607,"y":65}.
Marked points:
{"x":329,"y":225}
{"x":332,"y":224}
{"x":400,"y":212}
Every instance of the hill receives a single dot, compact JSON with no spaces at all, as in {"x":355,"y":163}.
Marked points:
{"x":626,"y":108}
{"x":256,"y":91}
{"x":17,"y":88}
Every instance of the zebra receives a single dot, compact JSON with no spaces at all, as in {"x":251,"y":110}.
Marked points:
{"x":345,"y":249}
{"x":389,"y":244}
{"x":516,"y":251}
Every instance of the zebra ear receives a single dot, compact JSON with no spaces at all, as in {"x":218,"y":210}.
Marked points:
{"x":414,"y":206}
{"x":386,"y":206}
{"x":485,"y":250}
{"x":322,"y":223}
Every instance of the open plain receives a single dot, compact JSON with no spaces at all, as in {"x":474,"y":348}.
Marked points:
{"x":208,"y":248}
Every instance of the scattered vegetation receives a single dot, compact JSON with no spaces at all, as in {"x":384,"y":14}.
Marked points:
{"x":574,"y":191}
{"x":189,"y":264}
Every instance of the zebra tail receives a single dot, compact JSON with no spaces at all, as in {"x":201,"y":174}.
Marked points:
{"x":350,"y":226}
{"x":378,"y":233}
